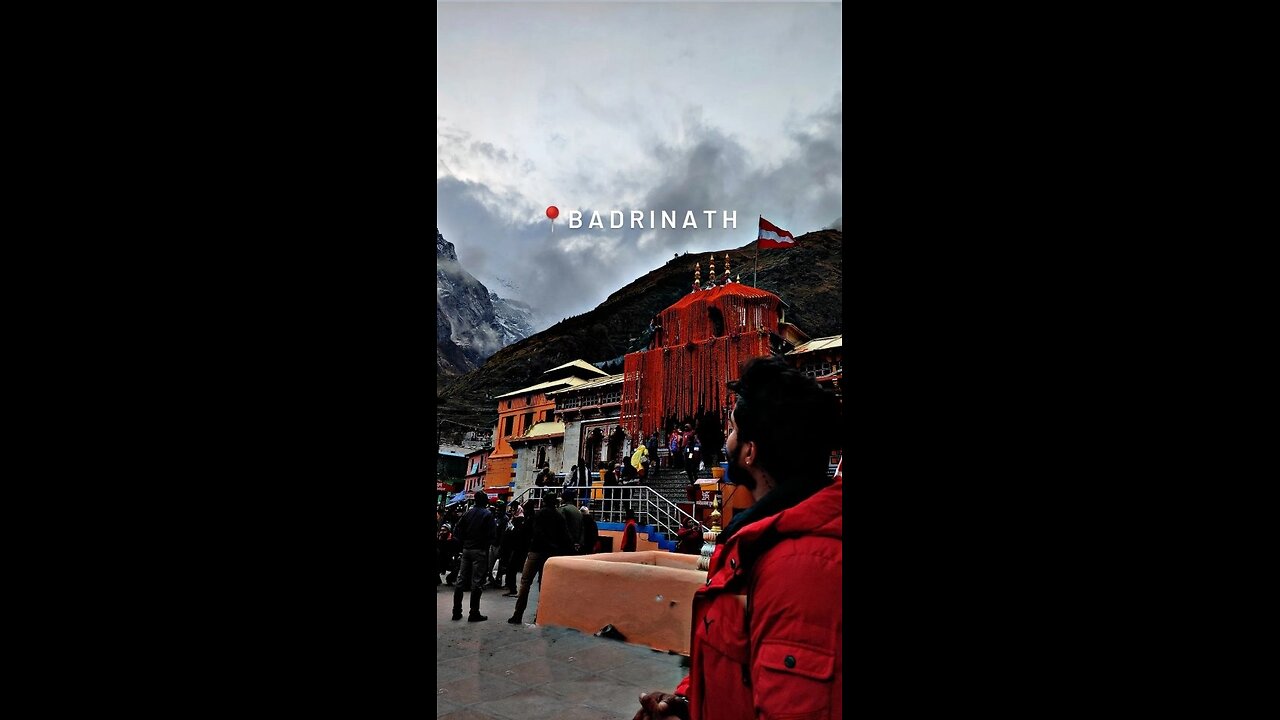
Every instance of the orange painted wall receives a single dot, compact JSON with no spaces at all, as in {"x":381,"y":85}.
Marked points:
{"x":647,"y":596}
{"x":500,"y":471}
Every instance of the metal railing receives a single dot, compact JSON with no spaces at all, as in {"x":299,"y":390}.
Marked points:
{"x":650,"y":506}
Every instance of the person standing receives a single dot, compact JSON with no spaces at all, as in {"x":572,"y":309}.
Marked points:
{"x":520,"y":534}
{"x":710,"y":439}
{"x":550,"y":538}
{"x":590,"y":532}
{"x":572,"y":520}
{"x":673,"y":449}
{"x":692,"y":453}
{"x":639,"y":457}
{"x":779,"y":653}
{"x":499,"y":530}
{"x":629,"y":532}
{"x":475,"y":530}
{"x":652,"y":445}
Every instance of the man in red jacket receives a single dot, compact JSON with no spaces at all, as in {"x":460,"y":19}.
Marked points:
{"x":777,"y":652}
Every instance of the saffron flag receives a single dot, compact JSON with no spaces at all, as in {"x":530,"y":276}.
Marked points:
{"x":772,"y":236}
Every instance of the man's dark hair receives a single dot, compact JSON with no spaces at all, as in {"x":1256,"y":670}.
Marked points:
{"x":631,"y":515}
{"x":794,"y":422}
{"x":569,"y":494}
{"x":482,"y":499}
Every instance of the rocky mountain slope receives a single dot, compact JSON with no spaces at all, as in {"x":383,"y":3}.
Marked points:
{"x":809,"y":277}
{"x":472,"y":323}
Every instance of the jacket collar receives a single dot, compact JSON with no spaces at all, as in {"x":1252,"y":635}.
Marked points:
{"x":818,"y":514}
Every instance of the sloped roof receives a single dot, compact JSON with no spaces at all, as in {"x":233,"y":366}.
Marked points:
{"x":571,"y":380}
{"x":824,"y":343}
{"x":580,"y":365}
{"x":610,"y":380}
{"x":540,"y":431}
{"x":784,"y":326}
{"x":734,"y":288}
{"x":545,"y":428}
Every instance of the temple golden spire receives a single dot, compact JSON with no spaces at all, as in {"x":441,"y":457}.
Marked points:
{"x":727,"y":275}
{"x":697,"y":276}
{"x":711,"y":264}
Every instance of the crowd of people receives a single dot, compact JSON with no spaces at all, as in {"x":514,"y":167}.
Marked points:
{"x":758,"y":647}
{"x":479,"y":546}
{"x":687,"y":448}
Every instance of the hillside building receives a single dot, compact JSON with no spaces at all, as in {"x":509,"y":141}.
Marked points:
{"x":821,"y":359}
{"x":477,"y":467}
{"x":521,"y":411}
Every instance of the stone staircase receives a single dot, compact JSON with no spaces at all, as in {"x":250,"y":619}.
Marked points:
{"x":670,"y":482}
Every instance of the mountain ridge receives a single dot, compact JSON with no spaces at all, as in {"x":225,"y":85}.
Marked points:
{"x":472,"y":322}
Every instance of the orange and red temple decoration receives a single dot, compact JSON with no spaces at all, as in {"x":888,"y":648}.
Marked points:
{"x":703,"y":340}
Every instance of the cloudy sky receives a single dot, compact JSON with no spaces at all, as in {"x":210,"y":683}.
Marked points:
{"x":629,"y":106}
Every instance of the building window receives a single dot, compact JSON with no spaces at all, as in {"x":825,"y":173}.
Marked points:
{"x":510,"y":419}
{"x":528,"y":421}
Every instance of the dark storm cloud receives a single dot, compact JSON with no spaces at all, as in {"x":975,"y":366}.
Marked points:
{"x":557,"y":273}
{"x":504,"y":234}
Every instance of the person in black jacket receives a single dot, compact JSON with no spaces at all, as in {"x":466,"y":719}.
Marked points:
{"x":550,"y":538}
{"x":499,"y":530}
{"x":590,"y":532}
{"x":475,"y":530}
{"x":515,"y":549}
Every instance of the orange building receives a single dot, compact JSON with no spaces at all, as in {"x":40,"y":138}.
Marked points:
{"x":519,"y":410}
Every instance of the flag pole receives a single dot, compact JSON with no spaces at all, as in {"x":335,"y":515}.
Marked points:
{"x":757,"y":268}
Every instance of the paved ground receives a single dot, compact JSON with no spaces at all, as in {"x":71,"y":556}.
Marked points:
{"x":516,"y":672}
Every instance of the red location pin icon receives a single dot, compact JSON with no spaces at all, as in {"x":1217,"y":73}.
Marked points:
{"x":553,"y":212}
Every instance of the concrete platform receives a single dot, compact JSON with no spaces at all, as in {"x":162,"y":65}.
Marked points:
{"x":515,"y":672}
{"x":648,"y":596}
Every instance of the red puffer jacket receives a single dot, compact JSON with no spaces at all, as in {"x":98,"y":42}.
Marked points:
{"x":768,"y":626}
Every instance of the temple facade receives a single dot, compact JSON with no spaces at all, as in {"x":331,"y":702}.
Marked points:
{"x":699,"y":344}
{"x":593,"y":433}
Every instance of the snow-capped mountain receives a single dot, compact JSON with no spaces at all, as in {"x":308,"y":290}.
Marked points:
{"x":472,"y":323}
